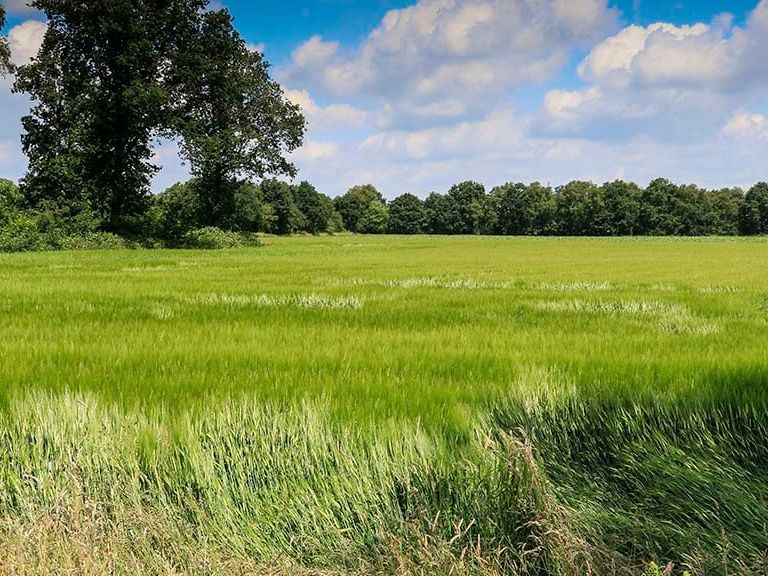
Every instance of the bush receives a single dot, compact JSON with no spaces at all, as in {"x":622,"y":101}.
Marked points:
{"x":94,"y":241}
{"x":175,"y":213}
{"x":211,"y":238}
{"x":21,"y":233}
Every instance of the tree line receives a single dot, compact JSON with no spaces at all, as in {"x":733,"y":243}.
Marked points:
{"x":181,"y":216}
{"x":114,"y":76}
{"x":576,"y":209}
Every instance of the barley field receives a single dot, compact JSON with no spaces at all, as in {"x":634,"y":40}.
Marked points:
{"x":360,"y":405}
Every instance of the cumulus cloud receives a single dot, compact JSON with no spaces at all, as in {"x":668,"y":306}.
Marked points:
{"x":501,"y":147}
{"x":715,"y":56}
{"x":25,"y":40}
{"x":452,"y":50}
{"x":427,"y":93}
{"x":334,"y":116}
{"x":746,"y":126}
{"x":314,"y":150}
{"x":666,"y":82}
{"x":612,"y":62}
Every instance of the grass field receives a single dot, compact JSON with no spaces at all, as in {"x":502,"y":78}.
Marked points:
{"x":371,"y":405}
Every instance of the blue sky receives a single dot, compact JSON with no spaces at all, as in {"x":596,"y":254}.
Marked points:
{"x":283,"y":25}
{"x":414,"y":95}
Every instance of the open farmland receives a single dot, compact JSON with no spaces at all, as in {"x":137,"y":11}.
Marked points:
{"x":371,"y":405}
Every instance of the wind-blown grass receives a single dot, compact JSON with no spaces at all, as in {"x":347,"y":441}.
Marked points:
{"x":386,"y":406}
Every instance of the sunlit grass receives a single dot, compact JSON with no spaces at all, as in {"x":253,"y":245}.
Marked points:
{"x":389,"y":405}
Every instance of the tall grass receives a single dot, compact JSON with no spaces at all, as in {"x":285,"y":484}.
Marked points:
{"x":386,"y":406}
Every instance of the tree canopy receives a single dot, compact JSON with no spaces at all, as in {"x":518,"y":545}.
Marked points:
{"x":753,"y":214}
{"x":407,"y":215}
{"x":353,"y":205}
{"x":5,"y":50}
{"x":113,"y":75}
{"x":233,"y":120}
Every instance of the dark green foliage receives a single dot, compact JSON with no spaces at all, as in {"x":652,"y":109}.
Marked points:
{"x":20,"y":232}
{"x":517,"y":209}
{"x":723,"y":207}
{"x":176,"y":212}
{"x":580,"y":210}
{"x":316,"y":208}
{"x":5,"y":51}
{"x":181,"y":209}
{"x":468,"y":198}
{"x":233,"y":119}
{"x":753,"y":215}
{"x":24,"y":230}
{"x":375,"y":219}
{"x":353,"y":205}
{"x":283,"y":216}
{"x":671,"y":210}
{"x":211,"y":238}
{"x":407,"y":215}
{"x":248,"y":208}
{"x":10,"y":197}
{"x":443,"y":216}
{"x":622,"y":208}
{"x":99,"y":98}
{"x":584,"y":209}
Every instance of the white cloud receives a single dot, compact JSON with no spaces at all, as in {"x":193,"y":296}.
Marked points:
{"x":501,"y":147}
{"x":611,"y":61}
{"x":458,"y":50}
{"x":430,"y":88}
{"x":564,"y":104}
{"x":716,"y":56}
{"x":746,"y":126}
{"x":314,"y":150}
{"x":334,"y":116}
{"x":25,"y":40}
{"x":665,"y":82}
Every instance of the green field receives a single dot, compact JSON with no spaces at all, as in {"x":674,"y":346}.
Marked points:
{"x":370,"y":405}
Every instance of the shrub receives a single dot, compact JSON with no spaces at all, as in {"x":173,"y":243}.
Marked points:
{"x":21,"y":233}
{"x":175,"y":213}
{"x":211,"y":238}
{"x":94,"y":241}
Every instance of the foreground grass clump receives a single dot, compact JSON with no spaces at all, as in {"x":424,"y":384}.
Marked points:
{"x":387,"y":406}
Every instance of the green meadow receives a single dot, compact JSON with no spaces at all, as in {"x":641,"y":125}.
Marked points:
{"x":397,"y":406}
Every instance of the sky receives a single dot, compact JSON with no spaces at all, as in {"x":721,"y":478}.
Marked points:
{"x":417,"y":95}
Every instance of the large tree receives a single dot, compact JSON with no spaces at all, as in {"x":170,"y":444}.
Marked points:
{"x":468,"y":197}
{"x":753,"y":216}
{"x":521,"y":210}
{"x":722,"y":208}
{"x":353,"y":205}
{"x":233,"y":119}
{"x":443,"y":215}
{"x":5,"y":51}
{"x":622,"y":205}
{"x":99,"y":99}
{"x":316,"y":208}
{"x":407,"y":215}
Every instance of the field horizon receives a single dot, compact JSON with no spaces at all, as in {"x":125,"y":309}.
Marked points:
{"x":344,"y":405}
